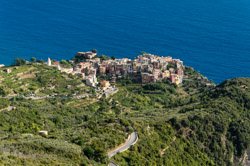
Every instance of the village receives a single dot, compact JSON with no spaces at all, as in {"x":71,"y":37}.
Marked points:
{"x":146,"y":68}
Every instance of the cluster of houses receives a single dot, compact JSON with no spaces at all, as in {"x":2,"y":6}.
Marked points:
{"x":146,"y":68}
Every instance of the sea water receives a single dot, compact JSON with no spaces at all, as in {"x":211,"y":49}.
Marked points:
{"x":213,"y":36}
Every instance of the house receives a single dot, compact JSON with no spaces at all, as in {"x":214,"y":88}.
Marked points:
{"x":104,"y":84}
{"x":172,"y":70}
{"x":178,"y":80}
{"x":156,"y":74}
{"x":91,"y":80}
{"x":92,"y":71}
{"x":87,"y":55}
{"x":111,"y":69}
{"x":102,"y":69}
{"x":180,"y":72}
{"x":83,"y":76}
{"x":168,"y":59}
{"x":83,"y":67}
{"x":175,"y":79}
{"x":94,"y":61}
{"x":130,"y":68}
{"x":179,"y":63}
{"x":147,"y":78}
{"x":166,"y":74}
{"x":156,"y":64}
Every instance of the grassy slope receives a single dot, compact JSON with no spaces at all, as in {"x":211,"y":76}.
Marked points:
{"x":72,"y":123}
{"x":188,"y":125}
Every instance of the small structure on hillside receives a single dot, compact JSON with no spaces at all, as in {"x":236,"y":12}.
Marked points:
{"x":43,"y":133}
{"x":8,"y":71}
{"x":49,"y":62}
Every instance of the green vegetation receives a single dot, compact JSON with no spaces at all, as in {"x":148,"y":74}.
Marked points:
{"x":39,"y":80}
{"x":19,"y":62}
{"x":65,"y":64}
{"x":193,"y":124}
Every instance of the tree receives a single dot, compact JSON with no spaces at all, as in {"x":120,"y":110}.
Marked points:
{"x":89,"y":152}
{"x":40,"y":61}
{"x":65,"y":63}
{"x":94,"y":50}
{"x":33,"y":59}
{"x":19,"y":62}
{"x":104,"y":57}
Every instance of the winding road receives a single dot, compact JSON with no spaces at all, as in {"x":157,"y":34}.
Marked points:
{"x":132,"y":139}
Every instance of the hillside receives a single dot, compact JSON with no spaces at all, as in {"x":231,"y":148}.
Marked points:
{"x":196,"y":123}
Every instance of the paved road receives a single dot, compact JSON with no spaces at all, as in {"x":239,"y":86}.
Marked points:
{"x":130,"y":142}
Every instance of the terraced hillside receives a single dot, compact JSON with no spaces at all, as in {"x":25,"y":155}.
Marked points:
{"x":196,"y":123}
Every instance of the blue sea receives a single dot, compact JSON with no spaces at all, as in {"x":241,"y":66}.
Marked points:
{"x":213,"y":36}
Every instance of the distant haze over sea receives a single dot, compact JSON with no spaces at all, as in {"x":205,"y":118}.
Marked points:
{"x":210,"y":35}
